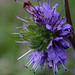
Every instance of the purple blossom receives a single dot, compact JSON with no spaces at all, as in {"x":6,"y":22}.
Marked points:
{"x":55,"y":53}
{"x":51,"y":18}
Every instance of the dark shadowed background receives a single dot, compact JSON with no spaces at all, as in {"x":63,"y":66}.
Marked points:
{"x":10,"y":51}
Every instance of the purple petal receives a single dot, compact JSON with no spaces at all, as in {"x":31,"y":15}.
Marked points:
{"x":36,"y":7}
{"x":61,"y":21}
{"x":64,"y":33}
{"x":59,"y":27}
{"x":60,"y":52}
{"x":57,"y":59}
{"x":29,"y":56}
{"x":46,"y":6}
{"x":65,"y":44}
{"x":48,"y":27}
{"x":63,"y":61}
{"x":66,"y":26}
{"x":66,"y":30}
{"x":50,"y":64}
{"x":54,"y":7}
{"x":58,"y":38}
{"x":51,"y":53}
{"x":43,"y":60}
{"x":50,"y":44}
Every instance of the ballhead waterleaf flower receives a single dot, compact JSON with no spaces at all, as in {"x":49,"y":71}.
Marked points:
{"x":45,"y":34}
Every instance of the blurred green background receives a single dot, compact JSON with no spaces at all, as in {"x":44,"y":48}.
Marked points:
{"x":10,"y":51}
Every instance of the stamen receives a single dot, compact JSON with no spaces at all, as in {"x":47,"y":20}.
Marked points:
{"x":41,"y":3}
{"x":45,"y":68}
{"x":15,"y":33}
{"x":61,"y":21}
{"x":32,"y":66}
{"x":51,"y":4}
{"x":21,"y":19}
{"x":19,"y":27}
{"x":45,"y":0}
{"x":23,"y":42}
{"x":30,"y":63}
{"x":57,"y":70}
{"x":58,"y":18}
{"x":18,"y":2}
{"x":48,"y":2}
{"x":53,"y":70}
{"x":36,"y":68}
{"x":38,"y":3}
{"x":54,"y":66}
{"x":24,"y":54}
{"x":52,"y":17}
{"x":25,"y":0}
{"x":35,"y":30}
{"x":64,"y":67}
{"x":61,"y":12}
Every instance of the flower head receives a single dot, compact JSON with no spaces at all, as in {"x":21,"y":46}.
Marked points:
{"x":45,"y":35}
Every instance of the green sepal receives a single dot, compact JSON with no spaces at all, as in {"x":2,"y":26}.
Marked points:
{"x":37,"y":35}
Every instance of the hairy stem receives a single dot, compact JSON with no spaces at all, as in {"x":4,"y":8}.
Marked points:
{"x":68,"y":17}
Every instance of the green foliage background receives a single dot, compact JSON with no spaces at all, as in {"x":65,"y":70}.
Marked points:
{"x":10,"y":51}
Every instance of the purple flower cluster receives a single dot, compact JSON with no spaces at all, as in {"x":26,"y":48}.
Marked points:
{"x":55,"y":55}
{"x":51,"y":19}
{"x":46,"y":15}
